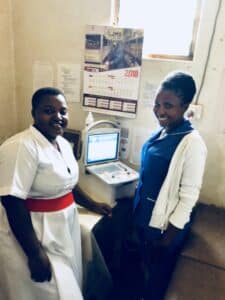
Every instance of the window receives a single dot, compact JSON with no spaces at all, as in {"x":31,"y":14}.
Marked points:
{"x":170,"y":26}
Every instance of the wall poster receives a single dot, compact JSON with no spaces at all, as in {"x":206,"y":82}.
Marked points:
{"x":112,"y":68}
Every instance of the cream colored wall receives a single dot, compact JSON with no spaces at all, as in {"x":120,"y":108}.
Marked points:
{"x":52,"y":31}
{"x":7,"y":87}
{"x":212,"y":124}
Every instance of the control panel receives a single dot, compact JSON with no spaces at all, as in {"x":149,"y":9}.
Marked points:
{"x":114,"y":173}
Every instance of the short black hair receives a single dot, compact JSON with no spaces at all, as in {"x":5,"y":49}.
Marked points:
{"x":182,"y":84}
{"x":41,"y":93}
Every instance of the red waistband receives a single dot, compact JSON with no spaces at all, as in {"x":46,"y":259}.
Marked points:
{"x":49,"y":205}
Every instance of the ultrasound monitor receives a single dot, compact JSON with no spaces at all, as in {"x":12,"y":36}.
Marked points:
{"x":102,"y":146}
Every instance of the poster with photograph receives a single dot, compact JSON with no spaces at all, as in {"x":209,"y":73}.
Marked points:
{"x":112,"y":68}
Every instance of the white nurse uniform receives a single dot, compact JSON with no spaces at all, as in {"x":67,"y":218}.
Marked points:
{"x":31,"y":167}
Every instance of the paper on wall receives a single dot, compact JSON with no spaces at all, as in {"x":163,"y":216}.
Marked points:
{"x":148,"y":94}
{"x":112,"y":69}
{"x":139,"y":137}
{"x":68,"y":80}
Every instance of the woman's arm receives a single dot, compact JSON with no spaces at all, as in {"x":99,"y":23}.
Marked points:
{"x":21,"y":225}
{"x":84,"y":200}
{"x":191,"y":182}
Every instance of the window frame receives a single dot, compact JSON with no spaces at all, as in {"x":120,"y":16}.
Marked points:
{"x":196,"y":24}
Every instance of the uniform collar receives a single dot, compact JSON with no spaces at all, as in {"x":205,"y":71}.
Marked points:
{"x":40,"y":136}
{"x":184,"y":127}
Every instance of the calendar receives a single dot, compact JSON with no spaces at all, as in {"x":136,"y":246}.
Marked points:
{"x":112,"y":69}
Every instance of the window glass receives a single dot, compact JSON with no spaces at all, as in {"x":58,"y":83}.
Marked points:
{"x":169,"y":25}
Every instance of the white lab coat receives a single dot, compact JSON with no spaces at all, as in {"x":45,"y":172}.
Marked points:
{"x":31,"y":167}
{"x":180,"y":190}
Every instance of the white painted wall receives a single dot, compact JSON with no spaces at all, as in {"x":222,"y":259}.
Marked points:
{"x":52,"y":31}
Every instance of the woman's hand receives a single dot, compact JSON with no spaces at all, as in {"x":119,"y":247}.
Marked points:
{"x":160,"y":247}
{"x":84,"y":200}
{"x":40,"y":267}
{"x":102,"y":209}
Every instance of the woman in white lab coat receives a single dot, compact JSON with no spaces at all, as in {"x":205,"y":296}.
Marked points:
{"x":40,"y":252}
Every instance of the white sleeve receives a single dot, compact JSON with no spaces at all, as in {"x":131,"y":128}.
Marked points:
{"x":18,"y":167}
{"x":191,"y":182}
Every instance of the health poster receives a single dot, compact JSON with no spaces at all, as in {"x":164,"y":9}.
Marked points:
{"x":112,"y":69}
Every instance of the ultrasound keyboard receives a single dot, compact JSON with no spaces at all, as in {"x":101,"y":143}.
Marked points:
{"x":114,"y":172}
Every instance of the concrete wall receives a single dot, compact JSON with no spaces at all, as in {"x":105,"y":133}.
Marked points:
{"x":52,"y":31}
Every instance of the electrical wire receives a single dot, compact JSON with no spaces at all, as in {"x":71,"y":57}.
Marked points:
{"x":209,"y":52}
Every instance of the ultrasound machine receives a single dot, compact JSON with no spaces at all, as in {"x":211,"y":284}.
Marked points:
{"x":105,"y":176}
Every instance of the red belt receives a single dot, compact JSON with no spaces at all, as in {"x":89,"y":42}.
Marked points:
{"x":49,"y":205}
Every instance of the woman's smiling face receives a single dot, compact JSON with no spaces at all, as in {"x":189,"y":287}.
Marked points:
{"x":51,"y":116}
{"x":169,"y":109}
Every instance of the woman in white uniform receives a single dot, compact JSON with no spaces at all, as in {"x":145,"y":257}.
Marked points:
{"x":40,"y":245}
